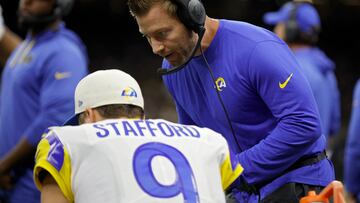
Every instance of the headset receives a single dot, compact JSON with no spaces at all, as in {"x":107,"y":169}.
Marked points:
{"x":192,"y":14}
{"x":292,"y":31}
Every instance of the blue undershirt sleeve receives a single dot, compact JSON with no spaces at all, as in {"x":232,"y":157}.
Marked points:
{"x":60,"y":75}
{"x":275,"y":77}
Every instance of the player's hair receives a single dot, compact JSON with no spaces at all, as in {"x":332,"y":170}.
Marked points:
{"x":117,"y":111}
{"x":142,"y":7}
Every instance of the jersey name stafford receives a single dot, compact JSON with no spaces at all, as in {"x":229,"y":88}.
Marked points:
{"x":140,"y":128}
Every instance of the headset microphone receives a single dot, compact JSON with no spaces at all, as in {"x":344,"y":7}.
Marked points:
{"x":163,"y":71}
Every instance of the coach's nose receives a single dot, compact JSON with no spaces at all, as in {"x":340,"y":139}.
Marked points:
{"x":157,"y":47}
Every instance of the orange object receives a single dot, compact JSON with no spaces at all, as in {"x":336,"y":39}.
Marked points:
{"x":335,"y":189}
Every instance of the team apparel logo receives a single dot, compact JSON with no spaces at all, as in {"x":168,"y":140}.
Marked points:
{"x":129,"y":92}
{"x":62,"y":75}
{"x":220,"y":84}
{"x":22,"y":55}
{"x":80,"y":103}
{"x":284,"y":84}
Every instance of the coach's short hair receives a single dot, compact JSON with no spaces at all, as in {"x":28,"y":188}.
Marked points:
{"x":142,"y":7}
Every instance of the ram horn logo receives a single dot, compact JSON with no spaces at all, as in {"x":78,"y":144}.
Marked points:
{"x":129,"y":92}
{"x":220,"y":84}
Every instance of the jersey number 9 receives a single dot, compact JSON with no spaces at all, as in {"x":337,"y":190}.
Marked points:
{"x":184,"y":182}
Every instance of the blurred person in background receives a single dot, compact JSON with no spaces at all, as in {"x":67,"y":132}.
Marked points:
{"x":38,"y":81}
{"x":242,"y":81}
{"x":298,"y":24}
{"x":352,"y":151}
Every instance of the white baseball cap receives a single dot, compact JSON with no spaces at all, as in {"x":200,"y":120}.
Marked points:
{"x":105,"y":87}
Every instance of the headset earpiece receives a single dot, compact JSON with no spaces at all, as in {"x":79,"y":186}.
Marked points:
{"x":191,"y":13}
{"x":197,"y":12}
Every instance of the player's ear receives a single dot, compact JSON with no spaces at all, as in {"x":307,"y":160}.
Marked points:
{"x":89,"y":116}
{"x":92,"y":116}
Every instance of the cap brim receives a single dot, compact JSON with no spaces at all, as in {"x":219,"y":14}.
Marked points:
{"x":273,"y":18}
{"x":74,"y":120}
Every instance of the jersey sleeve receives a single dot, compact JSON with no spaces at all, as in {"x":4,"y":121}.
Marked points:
{"x":52,"y":157}
{"x":230,"y":168}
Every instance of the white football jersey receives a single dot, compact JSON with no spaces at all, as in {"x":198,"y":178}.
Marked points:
{"x":137,"y":161}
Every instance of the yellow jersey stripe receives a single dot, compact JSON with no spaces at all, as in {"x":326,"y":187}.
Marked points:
{"x":62,"y":177}
{"x":228,"y":174}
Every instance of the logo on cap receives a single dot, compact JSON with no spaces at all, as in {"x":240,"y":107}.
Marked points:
{"x":129,"y":92}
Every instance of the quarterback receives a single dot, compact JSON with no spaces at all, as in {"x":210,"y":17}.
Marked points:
{"x":113,"y":154}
